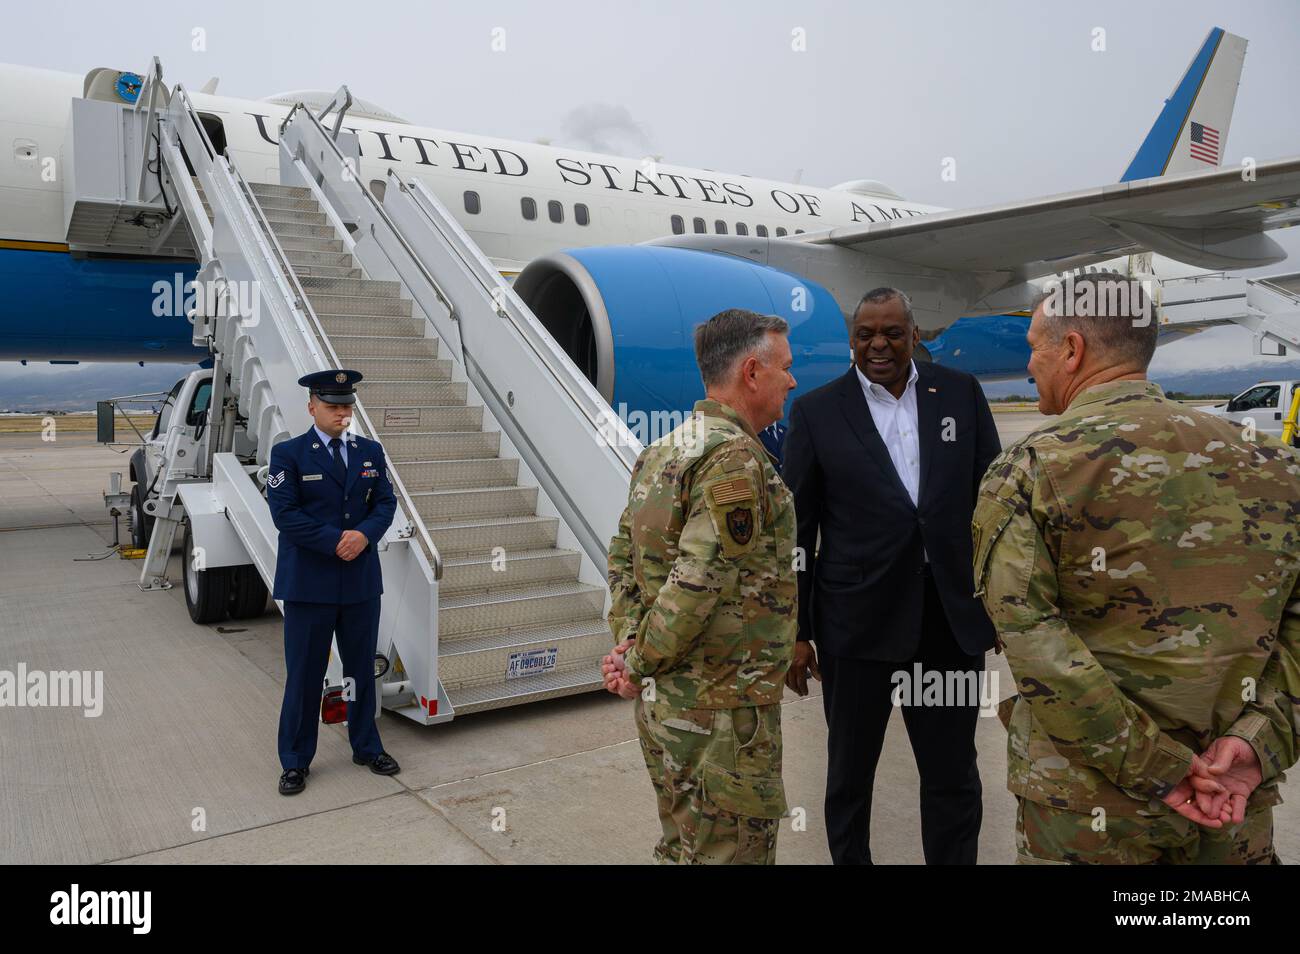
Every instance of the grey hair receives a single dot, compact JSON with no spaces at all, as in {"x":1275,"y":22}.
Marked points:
{"x":878,"y":296}
{"x":1111,"y":311}
{"x":728,"y":337}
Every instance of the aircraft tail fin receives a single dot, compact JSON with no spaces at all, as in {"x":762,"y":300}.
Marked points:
{"x":1191,"y":131}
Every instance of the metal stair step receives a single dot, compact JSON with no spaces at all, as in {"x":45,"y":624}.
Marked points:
{"x":293,"y":216}
{"x":275,"y":189}
{"x":440,"y":445}
{"x":454,"y":474}
{"x":481,"y":661}
{"x":355,"y":326}
{"x":404,"y":369}
{"x":416,"y":420}
{"x":286,"y":230}
{"x":283,"y":204}
{"x":411,"y":393}
{"x":356,"y":287}
{"x":468,"y":537}
{"x":512,"y":692}
{"x":485,"y":572}
{"x":308,"y":243}
{"x":371,"y":346}
{"x":517,"y":608}
{"x":475,"y":502}
{"x":331,"y":272}
{"x":301,"y":257}
{"x":326,"y":304}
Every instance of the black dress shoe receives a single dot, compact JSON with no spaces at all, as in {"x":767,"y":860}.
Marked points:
{"x":381,"y":764}
{"x":294,"y":780}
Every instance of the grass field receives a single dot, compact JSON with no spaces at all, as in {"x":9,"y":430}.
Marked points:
{"x":76,"y":423}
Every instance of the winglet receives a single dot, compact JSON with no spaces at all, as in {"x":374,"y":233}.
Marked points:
{"x":1192,"y":129}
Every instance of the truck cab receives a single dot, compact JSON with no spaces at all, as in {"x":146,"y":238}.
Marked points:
{"x":178,"y":435}
{"x":1266,"y":403}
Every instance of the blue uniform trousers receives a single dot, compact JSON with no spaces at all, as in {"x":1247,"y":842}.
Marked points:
{"x":308,"y":628}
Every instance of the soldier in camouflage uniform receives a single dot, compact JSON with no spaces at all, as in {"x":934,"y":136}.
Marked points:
{"x":704,"y":595}
{"x":1140,"y":562}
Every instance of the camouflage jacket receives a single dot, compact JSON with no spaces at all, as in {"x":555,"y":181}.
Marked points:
{"x":701,"y":572}
{"x":1140,"y":561}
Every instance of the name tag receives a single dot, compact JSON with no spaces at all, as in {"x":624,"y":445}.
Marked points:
{"x":313,"y":476}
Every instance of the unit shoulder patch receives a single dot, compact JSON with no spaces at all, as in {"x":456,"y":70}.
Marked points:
{"x":740,"y":524}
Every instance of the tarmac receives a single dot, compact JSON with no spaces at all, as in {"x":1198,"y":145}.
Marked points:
{"x":181,"y":767}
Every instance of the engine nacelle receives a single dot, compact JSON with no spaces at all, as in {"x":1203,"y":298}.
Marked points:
{"x":626,"y":316}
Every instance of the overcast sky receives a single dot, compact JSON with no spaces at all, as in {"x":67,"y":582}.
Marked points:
{"x":1012,"y":90}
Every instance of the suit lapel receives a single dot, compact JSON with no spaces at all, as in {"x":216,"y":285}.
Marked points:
{"x":927,"y":423}
{"x":854,"y":405}
{"x":322,"y":456}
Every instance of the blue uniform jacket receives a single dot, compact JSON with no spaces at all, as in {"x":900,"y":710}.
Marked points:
{"x":311,"y":509}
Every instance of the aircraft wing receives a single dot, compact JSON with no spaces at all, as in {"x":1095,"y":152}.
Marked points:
{"x":1212,"y":219}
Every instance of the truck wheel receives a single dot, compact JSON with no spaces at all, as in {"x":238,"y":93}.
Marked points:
{"x":141,"y":523}
{"x":247,"y":593}
{"x":207,"y":592}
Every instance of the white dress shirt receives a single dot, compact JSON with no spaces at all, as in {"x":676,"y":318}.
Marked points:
{"x":325,"y":442}
{"x":896,"y":421}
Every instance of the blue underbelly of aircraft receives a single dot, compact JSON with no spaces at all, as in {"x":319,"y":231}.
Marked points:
{"x":55,"y":307}
{"x":59,"y":308}
{"x":991,"y":347}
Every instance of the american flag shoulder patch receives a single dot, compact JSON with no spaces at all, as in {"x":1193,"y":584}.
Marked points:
{"x":730,"y":491}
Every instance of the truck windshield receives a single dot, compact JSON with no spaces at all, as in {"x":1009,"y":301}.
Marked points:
{"x":1265,"y":395}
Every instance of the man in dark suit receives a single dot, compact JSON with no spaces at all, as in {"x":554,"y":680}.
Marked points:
{"x":332,"y":501}
{"x":884,"y":464}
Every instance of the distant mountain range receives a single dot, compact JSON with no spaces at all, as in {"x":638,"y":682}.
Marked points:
{"x":78,"y":387}
{"x":1227,"y":381}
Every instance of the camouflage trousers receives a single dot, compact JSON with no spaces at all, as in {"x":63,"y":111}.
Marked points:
{"x":1046,"y":835}
{"x":717,"y":778}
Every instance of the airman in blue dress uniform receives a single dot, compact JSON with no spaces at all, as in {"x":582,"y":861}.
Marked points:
{"x":332,"y":501}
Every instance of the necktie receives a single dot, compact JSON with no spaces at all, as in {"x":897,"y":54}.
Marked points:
{"x":336,"y":452}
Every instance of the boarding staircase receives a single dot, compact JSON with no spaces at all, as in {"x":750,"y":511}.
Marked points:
{"x":510,"y":469}
{"x":1269,"y":312}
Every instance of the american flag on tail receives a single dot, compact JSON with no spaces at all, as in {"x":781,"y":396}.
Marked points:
{"x":1205,"y":144}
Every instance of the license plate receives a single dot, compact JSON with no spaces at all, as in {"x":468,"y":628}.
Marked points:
{"x":531,"y":662}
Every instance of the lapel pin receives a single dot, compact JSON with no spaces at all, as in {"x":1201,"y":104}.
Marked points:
{"x":315,"y":446}
{"x":933,"y":390}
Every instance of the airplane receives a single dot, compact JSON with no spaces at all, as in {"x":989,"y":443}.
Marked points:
{"x":619,"y":257}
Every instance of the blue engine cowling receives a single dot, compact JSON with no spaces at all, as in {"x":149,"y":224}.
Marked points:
{"x":626,"y":315}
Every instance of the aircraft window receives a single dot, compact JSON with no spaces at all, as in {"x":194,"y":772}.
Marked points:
{"x":742,"y":228}
{"x":555,"y":210}
{"x":1264,"y":396}
{"x":780,"y":231}
{"x":472,"y":204}
{"x":679,"y":226}
{"x":720,"y":227}
{"x":528,"y":207}
{"x":798,"y":231}
{"x":698,"y":225}
{"x":760,"y":231}
{"x":580,"y":214}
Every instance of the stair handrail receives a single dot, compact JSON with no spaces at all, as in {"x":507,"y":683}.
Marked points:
{"x":509,"y":306}
{"x":375,"y":206}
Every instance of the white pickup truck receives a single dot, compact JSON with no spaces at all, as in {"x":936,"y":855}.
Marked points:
{"x":1268,"y":404}
{"x":181,"y":435}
